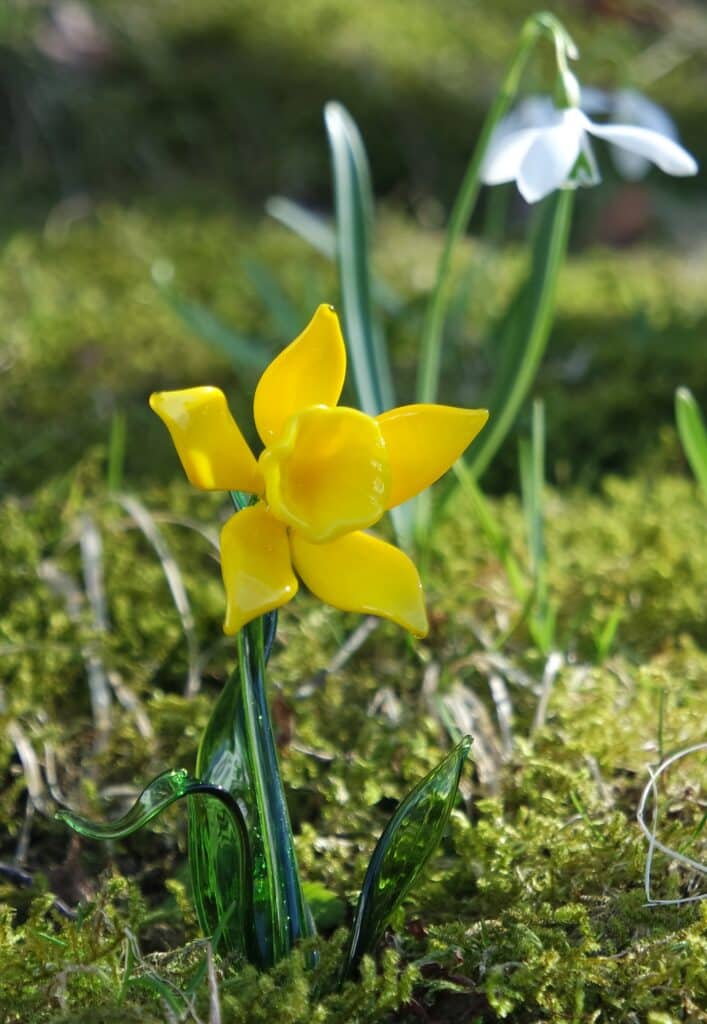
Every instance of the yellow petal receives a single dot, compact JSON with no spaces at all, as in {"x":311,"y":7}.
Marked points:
{"x":360,"y":573}
{"x":256,"y":566}
{"x":423,"y":441}
{"x":328,"y":474}
{"x":212,"y":449}
{"x":310,"y":371}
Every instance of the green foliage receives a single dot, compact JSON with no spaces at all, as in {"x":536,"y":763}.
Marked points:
{"x":74,"y":362}
{"x":178,"y":79}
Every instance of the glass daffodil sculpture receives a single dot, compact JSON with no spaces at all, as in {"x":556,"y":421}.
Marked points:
{"x":326,"y":473}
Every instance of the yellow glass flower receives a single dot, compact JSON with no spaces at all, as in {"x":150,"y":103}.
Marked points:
{"x":325,"y":475}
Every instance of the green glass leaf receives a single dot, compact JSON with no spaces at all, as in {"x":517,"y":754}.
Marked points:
{"x":693,"y":434}
{"x":409,"y":840}
{"x":236,"y":897}
{"x":237,"y":753}
{"x":156,"y":797}
{"x":245,"y":881}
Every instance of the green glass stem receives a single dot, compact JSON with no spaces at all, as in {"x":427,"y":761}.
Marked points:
{"x":237,"y":753}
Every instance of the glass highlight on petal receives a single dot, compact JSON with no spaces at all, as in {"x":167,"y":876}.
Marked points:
{"x":328,"y":474}
{"x":423,"y":441}
{"x":211,"y":448}
{"x":360,"y":573}
{"x":310,"y":371}
{"x":256,"y":567}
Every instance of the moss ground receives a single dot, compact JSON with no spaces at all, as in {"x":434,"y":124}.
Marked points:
{"x":534,"y":908}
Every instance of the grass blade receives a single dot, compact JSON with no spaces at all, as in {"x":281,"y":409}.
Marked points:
{"x":318,"y":233}
{"x":146,"y":523}
{"x":312,"y":229}
{"x":532,"y":477}
{"x":239,"y":349}
{"x":693,"y":434}
{"x":288,"y":318}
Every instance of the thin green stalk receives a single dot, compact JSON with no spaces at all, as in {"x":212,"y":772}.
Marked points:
{"x":116,"y":452}
{"x":289,"y":916}
{"x":535,"y":27}
{"x":536,"y":330}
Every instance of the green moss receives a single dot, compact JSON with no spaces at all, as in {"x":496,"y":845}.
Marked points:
{"x":534,"y":908}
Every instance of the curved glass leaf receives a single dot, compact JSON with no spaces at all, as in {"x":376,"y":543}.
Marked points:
{"x":236,"y":903}
{"x":155,"y":798}
{"x":407,"y":843}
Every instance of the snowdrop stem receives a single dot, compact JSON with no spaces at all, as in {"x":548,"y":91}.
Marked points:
{"x":535,"y":28}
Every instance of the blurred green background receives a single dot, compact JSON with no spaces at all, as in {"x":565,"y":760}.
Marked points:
{"x":141,"y":140}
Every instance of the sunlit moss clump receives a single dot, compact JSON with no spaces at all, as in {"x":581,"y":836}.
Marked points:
{"x":534,"y":908}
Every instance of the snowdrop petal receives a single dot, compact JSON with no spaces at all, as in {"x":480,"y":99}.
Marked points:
{"x":663,"y":152}
{"x":631,"y":107}
{"x":596,"y":101}
{"x":550,"y":159}
{"x":506,"y":154}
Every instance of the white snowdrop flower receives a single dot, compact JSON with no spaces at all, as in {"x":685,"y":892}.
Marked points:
{"x":557,"y":153}
{"x":632,"y":107}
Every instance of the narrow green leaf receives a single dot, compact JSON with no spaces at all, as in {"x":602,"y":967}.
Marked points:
{"x":605,"y":636}
{"x":525,"y":331}
{"x":354,"y":225}
{"x":318,"y":233}
{"x":409,"y":840}
{"x":238,"y":348}
{"x":693,"y":434}
{"x":286,"y":315}
{"x":116,"y":451}
{"x":495,"y":536}
{"x":532,"y":479}
{"x":312,"y":229}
